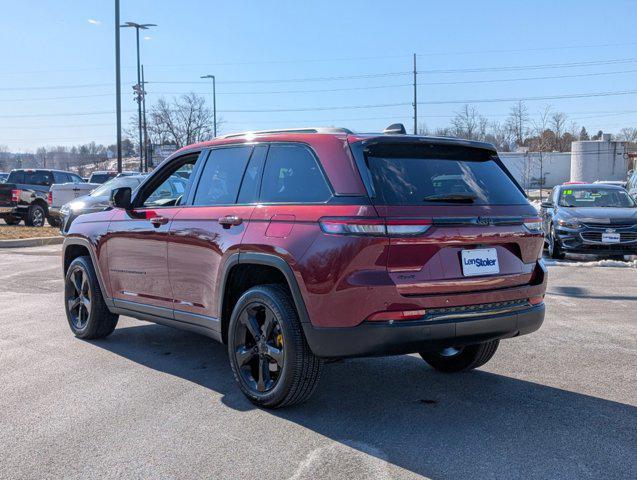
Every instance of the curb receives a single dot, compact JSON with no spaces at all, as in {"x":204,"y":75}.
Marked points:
{"x":31,"y":242}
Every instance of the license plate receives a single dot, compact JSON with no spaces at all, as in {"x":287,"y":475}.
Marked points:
{"x":610,"y":237}
{"x":6,"y":209}
{"x":481,"y":261}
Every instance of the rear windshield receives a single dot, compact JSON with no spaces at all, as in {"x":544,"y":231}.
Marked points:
{"x":100,"y":177}
{"x":433,"y":174}
{"x":31,"y":177}
{"x":595,"y":197}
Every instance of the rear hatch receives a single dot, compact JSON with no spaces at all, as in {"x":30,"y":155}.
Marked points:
{"x":473,"y":227}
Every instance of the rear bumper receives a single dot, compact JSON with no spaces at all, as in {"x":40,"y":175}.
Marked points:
{"x":401,"y":337}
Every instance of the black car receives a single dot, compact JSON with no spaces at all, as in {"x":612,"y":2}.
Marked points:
{"x":97,"y":200}
{"x":25,"y":194}
{"x":590,"y":218}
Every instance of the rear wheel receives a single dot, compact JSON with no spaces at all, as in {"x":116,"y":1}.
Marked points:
{"x":11,"y":220}
{"x":555,"y":250}
{"x":86,"y":311}
{"x":269,"y":355}
{"x":461,"y":358}
{"x":35,"y":216}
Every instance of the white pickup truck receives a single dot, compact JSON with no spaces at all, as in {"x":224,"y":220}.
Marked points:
{"x":61,"y":193}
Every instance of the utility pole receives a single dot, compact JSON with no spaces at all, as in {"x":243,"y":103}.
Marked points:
{"x":415,"y":97}
{"x":118,"y":90}
{"x":138,"y":88}
{"x":144,"y":121}
{"x":214,"y":103}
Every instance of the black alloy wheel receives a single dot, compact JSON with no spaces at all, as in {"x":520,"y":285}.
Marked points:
{"x":78,"y":298}
{"x":258,"y":347}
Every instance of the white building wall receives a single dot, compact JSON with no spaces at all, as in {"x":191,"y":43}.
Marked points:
{"x":598,"y":160}
{"x":526,"y":167}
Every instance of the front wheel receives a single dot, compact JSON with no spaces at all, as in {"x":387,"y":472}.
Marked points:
{"x":54,"y":221}
{"x":461,"y":358}
{"x":269,"y":355}
{"x":88,"y":315}
{"x":555,"y":250}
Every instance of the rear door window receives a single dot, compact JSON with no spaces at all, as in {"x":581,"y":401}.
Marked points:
{"x":221,"y":177}
{"x":420,"y":174}
{"x":292,"y":175}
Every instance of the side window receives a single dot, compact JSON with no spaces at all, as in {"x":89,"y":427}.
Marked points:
{"x":221,"y":176}
{"x":249,"y":192}
{"x":170,"y":191}
{"x":60,"y":177}
{"x":75,"y":178}
{"x":292,"y":175}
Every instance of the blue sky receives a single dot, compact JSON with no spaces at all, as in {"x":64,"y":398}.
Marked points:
{"x":56,"y":50}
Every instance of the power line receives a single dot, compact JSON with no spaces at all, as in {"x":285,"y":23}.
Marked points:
{"x":533,"y":67}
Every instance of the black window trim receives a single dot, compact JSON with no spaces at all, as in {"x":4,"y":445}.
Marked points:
{"x":151,"y":181}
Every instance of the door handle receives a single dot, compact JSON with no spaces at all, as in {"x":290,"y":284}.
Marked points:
{"x":158,"y":221}
{"x":230,"y":221}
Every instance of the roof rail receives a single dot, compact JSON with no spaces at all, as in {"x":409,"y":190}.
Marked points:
{"x":332,"y":130}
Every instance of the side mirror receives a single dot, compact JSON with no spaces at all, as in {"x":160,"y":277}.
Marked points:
{"x":121,"y":198}
{"x":546,"y":205}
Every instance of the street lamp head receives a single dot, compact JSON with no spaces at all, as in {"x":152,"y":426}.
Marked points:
{"x":208,"y":76}
{"x":142,"y":26}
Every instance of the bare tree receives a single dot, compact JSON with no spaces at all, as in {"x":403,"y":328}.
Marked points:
{"x":627,"y":135}
{"x":545,"y":139}
{"x":182,"y":121}
{"x":518,"y":121}
{"x":469,"y":124}
{"x":41,"y":156}
{"x":558,"y":125}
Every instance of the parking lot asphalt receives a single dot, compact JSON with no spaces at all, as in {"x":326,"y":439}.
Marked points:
{"x":153,"y":402}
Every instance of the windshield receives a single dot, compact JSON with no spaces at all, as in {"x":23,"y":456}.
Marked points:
{"x":111,"y":185}
{"x":595,"y":197}
{"x":425,"y":174}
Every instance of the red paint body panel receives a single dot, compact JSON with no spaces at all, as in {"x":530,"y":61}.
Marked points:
{"x":197,"y":248}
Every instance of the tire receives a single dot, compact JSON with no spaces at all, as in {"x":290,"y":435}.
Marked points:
{"x":11,"y":220}
{"x":465,"y":358}
{"x":91,"y":318}
{"x":281,"y":346}
{"x":554,"y":248}
{"x":54,"y":221}
{"x":35,"y":216}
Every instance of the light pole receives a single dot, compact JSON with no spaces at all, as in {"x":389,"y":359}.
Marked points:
{"x":118,"y":91}
{"x":139,"y":90}
{"x":214,"y":103}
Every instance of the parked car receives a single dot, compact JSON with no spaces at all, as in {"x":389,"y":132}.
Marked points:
{"x":63,"y":193}
{"x":3,"y":177}
{"x":295,"y":246}
{"x":24,"y":196}
{"x":103,"y":176}
{"x":98,"y":199}
{"x":590,"y":218}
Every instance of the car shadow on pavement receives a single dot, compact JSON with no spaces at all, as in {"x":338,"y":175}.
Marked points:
{"x":470,"y":425}
{"x":579,"y":292}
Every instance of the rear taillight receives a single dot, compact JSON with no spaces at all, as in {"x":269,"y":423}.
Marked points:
{"x":15,"y":195}
{"x":374,"y":226}
{"x":49,"y":198}
{"x":536,"y":300}
{"x":533,"y":224}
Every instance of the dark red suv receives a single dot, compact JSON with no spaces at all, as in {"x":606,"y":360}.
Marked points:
{"x":296,"y":246}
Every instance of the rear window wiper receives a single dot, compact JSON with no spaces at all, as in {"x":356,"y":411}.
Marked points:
{"x":455,"y":198}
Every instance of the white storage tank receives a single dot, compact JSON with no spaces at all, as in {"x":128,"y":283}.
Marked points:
{"x":598,"y":160}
